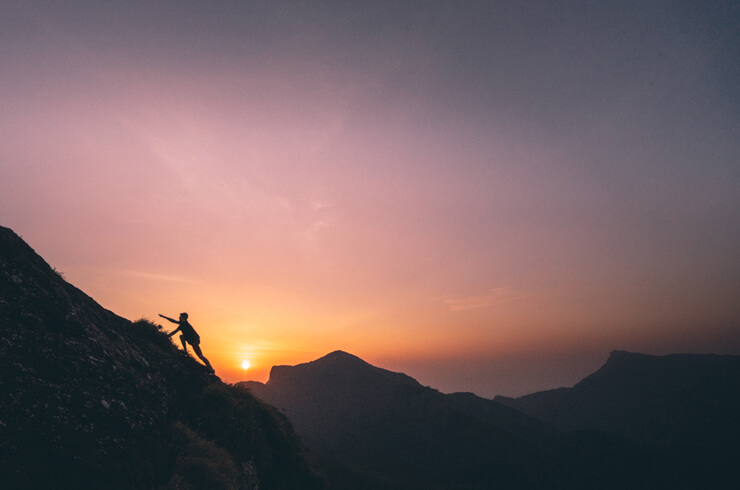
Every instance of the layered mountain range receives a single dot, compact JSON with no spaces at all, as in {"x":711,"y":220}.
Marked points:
{"x":92,"y":400}
{"x":387,"y":430}
{"x":659,"y":399}
{"x":638,"y":422}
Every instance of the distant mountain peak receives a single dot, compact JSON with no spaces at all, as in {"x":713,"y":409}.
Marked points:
{"x":619,"y":354}
{"x":338,"y":366}
{"x":340,"y":356}
{"x":386,"y":427}
{"x":623,"y":355}
{"x":618,"y":359}
{"x":643,"y":396}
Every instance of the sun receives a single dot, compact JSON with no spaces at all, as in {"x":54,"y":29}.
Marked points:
{"x":246,"y":364}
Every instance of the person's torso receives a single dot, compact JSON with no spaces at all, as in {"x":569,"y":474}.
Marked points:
{"x":188,"y":331}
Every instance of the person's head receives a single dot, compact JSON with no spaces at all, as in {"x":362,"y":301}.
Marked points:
{"x":183,"y":316}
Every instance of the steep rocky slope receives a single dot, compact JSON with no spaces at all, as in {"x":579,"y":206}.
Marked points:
{"x":91,"y":400}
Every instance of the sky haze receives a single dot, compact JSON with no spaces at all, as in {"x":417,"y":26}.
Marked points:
{"x":488,"y":196}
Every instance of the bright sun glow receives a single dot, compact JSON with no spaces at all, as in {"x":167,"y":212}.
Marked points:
{"x":246,"y":364}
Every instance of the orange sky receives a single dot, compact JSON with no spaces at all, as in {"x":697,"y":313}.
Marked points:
{"x":482,"y":199}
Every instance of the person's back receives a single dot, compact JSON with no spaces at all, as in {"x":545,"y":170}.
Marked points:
{"x":188,"y":331}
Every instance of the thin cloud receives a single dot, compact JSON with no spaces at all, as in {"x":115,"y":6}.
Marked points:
{"x":154,"y":277}
{"x":318,"y":204}
{"x":495,"y":296}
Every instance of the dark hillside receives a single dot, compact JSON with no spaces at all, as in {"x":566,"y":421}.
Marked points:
{"x":91,"y":400}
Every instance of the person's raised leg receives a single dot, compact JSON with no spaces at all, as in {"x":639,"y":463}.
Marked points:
{"x":198,"y":352}
{"x":184,"y":344}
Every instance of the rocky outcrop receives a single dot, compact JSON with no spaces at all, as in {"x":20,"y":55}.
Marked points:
{"x":90,"y":399}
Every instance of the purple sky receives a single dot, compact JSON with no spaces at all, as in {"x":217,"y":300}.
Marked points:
{"x":488,"y":196}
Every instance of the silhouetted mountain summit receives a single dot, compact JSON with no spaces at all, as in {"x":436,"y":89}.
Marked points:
{"x":659,"y":398}
{"x":383,"y":429}
{"x":338,"y":369}
{"x":640,"y":421}
{"x":684,"y":406}
{"x":91,"y":400}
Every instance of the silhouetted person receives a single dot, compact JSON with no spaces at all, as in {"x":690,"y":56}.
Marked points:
{"x":188,"y":336}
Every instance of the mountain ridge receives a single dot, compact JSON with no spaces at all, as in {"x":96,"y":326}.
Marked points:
{"x":637,"y":384}
{"x":89,"y":399}
{"x":365,"y":421}
{"x":338,"y":364}
{"x":337,"y":403}
{"x":680,"y":408}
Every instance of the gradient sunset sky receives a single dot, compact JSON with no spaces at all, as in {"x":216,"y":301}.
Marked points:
{"x":488,"y":196}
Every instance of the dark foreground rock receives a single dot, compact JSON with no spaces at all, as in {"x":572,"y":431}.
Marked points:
{"x":91,"y":400}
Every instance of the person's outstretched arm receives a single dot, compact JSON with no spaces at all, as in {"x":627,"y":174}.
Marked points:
{"x":173,"y":321}
{"x":170,"y":319}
